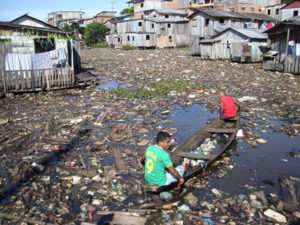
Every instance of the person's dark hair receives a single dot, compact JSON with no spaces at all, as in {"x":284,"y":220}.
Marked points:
{"x":161,"y":136}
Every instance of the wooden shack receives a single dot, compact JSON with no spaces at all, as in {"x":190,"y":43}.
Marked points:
{"x":29,"y":38}
{"x":285,"y":42}
{"x":159,"y":28}
{"x":235,"y":44}
{"x":207,"y":23}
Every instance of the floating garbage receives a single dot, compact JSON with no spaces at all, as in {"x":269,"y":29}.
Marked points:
{"x":167,"y":196}
{"x":183,"y":208}
{"x":205,"y":148}
{"x":37,"y":167}
{"x":275,"y":216}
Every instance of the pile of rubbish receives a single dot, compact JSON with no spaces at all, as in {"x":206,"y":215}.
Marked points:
{"x":69,"y":156}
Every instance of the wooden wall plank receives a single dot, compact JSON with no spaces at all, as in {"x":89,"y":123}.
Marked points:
{"x":297,"y":65}
{"x":27,"y":78}
{"x":22,"y":80}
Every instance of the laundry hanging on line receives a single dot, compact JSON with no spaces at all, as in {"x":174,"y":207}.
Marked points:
{"x":38,"y":61}
{"x":16,"y":62}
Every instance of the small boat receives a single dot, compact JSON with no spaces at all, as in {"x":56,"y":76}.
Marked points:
{"x":193,"y":148}
{"x":228,"y":130}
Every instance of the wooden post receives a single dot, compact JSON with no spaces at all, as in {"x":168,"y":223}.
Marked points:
{"x":287,"y":41}
{"x":22,"y":81}
{"x":4,"y":79}
{"x":47,"y":79}
{"x":32,"y":80}
{"x":53,"y":77}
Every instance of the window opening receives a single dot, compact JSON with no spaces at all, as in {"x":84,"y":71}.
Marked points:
{"x":44,"y":45}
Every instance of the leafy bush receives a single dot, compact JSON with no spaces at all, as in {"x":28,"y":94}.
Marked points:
{"x":95,"y":33}
{"x":100,"y":45}
{"x":128,"y":47}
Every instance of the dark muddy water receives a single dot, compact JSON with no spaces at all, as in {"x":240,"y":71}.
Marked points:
{"x":258,"y":167}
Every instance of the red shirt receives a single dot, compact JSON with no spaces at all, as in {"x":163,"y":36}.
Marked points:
{"x":229,"y":109}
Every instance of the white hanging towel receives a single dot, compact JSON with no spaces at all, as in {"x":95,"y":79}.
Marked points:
{"x":18,"y":62}
{"x":41,"y":61}
{"x":61,"y":55}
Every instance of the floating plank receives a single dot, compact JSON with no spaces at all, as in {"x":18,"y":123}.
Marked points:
{"x":288,"y":191}
{"x":19,"y":219}
{"x":220,"y":130}
{"x":124,"y":218}
{"x":151,"y":188}
{"x":196,"y":156}
{"x":120,"y":163}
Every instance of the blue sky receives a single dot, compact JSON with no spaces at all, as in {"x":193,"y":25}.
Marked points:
{"x":11,"y":9}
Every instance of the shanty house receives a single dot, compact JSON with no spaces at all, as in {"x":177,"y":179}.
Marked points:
{"x":285,"y":46}
{"x":290,"y":10}
{"x":35,"y":55}
{"x":60,"y":18}
{"x":207,"y":23}
{"x":275,"y":11}
{"x":112,"y":38}
{"x":104,"y":16}
{"x":235,"y":44}
{"x":160,"y":28}
{"x":142,"y":6}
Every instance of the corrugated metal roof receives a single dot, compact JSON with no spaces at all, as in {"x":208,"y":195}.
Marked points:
{"x":170,"y":11}
{"x":292,"y":5}
{"x":259,"y":16}
{"x":252,"y":33}
{"x":247,"y":16}
{"x":221,"y":14}
{"x":295,"y":20}
{"x":291,"y":21}
{"x":206,"y":40}
{"x":167,"y":20}
{"x":55,"y":30}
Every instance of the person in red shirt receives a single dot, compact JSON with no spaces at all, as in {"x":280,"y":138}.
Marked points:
{"x":228,"y":108}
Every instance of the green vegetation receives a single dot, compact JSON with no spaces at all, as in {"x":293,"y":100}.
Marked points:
{"x":72,"y":28}
{"x":95,"y":33}
{"x":127,"y":11}
{"x":185,"y":48}
{"x":156,"y":89}
{"x":103,"y":59}
{"x":128,"y":47}
{"x":100,"y":45}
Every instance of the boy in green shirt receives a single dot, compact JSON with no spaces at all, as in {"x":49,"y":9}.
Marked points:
{"x":157,"y":159}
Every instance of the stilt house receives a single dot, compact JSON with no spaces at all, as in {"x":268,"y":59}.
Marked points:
{"x":285,"y":47}
{"x":207,"y":23}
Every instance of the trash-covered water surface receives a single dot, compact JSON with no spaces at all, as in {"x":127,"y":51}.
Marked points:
{"x":71,"y":156}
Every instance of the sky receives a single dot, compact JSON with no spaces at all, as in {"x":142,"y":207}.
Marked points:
{"x":11,"y":9}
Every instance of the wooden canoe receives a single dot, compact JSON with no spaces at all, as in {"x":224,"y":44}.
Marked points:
{"x":217,"y":126}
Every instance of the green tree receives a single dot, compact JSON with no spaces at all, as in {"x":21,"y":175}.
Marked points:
{"x":74,"y":26}
{"x":127,"y":10}
{"x":95,"y":33}
{"x":70,"y":28}
{"x":67,"y":28}
{"x":81,"y":30}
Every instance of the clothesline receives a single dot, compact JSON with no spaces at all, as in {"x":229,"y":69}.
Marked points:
{"x":36,"y":61}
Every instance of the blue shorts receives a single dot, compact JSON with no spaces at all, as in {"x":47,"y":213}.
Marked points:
{"x":224,"y":117}
{"x":171,"y":178}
